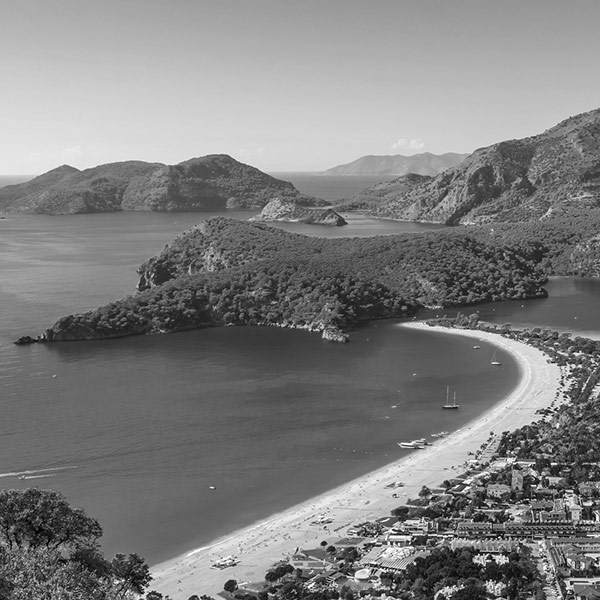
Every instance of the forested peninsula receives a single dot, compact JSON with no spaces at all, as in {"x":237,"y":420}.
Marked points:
{"x":226,"y":272}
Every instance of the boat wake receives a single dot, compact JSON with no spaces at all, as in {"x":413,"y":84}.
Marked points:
{"x":36,"y":473}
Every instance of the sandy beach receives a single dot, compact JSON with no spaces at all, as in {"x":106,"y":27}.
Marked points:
{"x":259,"y":546}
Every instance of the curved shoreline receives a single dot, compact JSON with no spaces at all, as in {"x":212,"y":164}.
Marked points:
{"x":259,"y":545}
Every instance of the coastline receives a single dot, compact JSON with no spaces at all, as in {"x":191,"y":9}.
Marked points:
{"x":260,"y":545}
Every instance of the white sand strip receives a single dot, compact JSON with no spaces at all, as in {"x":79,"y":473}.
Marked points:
{"x":260,"y":545}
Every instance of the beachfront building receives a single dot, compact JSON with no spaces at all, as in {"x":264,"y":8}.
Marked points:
{"x":311,"y":562}
{"x":390,"y":558}
{"x":486,"y":547}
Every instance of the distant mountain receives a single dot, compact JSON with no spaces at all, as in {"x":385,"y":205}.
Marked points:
{"x":211,"y":182}
{"x":387,"y":165}
{"x":516,"y":180}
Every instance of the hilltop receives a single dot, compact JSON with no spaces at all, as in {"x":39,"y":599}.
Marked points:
{"x":397,"y":164}
{"x":213,"y":182}
{"x":512,"y":181}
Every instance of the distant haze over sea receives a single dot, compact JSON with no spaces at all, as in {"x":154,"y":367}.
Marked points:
{"x":14,"y":179}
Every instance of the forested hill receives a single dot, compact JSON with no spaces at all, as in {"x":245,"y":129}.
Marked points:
{"x":227,"y":272}
{"x":514,"y":180}
{"x":213,"y":182}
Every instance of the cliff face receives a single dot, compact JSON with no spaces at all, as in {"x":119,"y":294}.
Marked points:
{"x":420,"y":164}
{"x":212,"y":182}
{"x":286,"y":210}
{"x":513,"y":181}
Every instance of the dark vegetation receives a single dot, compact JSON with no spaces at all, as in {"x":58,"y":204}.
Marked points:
{"x":227,"y":272}
{"x":50,"y":550}
{"x":566,"y":244}
{"x":442,"y":570}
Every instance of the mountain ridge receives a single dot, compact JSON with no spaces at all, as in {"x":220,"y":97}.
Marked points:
{"x":212,"y":182}
{"x":512,"y":180}
{"x":386,"y":165}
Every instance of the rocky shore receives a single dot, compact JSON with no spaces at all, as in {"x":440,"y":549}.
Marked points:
{"x":280,"y":209}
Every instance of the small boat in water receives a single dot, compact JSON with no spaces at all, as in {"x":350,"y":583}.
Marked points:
{"x":494,"y":360}
{"x":415,"y":444}
{"x":448,"y":404}
{"x":476,"y":347}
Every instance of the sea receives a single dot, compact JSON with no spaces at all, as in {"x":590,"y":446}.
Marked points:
{"x":171,"y":441}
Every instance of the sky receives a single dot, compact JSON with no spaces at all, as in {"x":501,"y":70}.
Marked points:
{"x":285,"y":85}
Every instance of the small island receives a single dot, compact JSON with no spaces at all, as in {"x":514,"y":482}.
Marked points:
{"x":286,"y":210}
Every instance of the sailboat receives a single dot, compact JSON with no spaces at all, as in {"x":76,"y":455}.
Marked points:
{"x":495,"y":362}
{"x":448,"y":404}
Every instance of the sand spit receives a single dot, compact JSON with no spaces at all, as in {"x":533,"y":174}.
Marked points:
{"x":259,"y":546}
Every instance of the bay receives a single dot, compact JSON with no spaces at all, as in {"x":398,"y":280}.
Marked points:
{"x":137,"y":430}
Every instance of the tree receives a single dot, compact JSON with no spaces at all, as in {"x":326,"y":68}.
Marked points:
{"x":131,"y":574}
{"x":34,"y":518}
{"x":230,"y":586}
{"x":32,"y":573}
{"x":92,"y":559}
{"x":424,"y":492}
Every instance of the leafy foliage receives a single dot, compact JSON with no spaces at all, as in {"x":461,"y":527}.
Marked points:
{"x":231,"y":273}
{"x":49,"y":550}
{"x":33,"y":518}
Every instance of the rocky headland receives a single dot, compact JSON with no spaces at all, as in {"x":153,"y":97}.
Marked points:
{"x":214,"y":182}
{"x":287,"y":210}
{"x":512,"y":181}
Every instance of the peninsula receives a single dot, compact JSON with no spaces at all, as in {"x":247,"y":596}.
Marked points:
{"x":226,"y":272}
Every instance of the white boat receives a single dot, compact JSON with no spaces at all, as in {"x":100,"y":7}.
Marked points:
{"x":476,"y":347}
{"x":448,"y":404}
{"x":495,"y":361}
{"x":415,"y":444}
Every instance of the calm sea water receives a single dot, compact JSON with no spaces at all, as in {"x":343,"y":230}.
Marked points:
{"x":136,"y":430}
{"x":330,"y":187}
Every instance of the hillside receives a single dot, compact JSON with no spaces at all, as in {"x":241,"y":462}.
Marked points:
{"x":213,"y":182}
{"x":512,"y":181}
{"x":225,"y":272}
{"x":390,"y":165}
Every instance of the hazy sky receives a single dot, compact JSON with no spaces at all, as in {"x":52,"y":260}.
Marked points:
{"x":285,"y":85}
